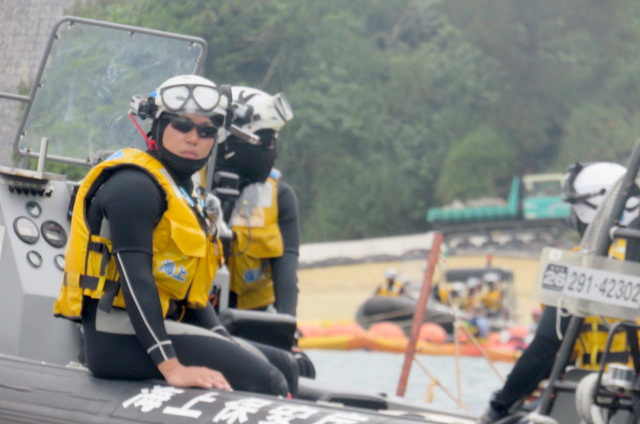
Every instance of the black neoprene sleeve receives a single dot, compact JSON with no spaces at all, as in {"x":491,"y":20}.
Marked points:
{"x":285,"y":268}
{"x":132,"y":203}
{"x":535,"y":363}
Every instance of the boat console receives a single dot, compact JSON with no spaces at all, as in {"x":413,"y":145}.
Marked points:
{"x":33,"y":235}
{"x":74,"y":113}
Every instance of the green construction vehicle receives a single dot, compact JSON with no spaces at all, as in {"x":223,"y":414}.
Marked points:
{"x":533,"y":215}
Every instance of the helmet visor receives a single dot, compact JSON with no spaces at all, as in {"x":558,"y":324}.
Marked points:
{"x":282,"y":106}
{"x":176,"y":97}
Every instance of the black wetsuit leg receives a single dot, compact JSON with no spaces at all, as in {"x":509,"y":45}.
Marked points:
{"x":283,"y":360}
{"x":121,"y":356}
{"x":206,"y":318}
{"x":535,"y":363}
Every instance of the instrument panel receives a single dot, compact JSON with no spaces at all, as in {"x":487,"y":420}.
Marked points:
{"x":34,"y":214}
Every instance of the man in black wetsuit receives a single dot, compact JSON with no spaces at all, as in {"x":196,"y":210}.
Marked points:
{"x":263,"y":255}
{"x":584,"y":189}
{"x":142,"y":257}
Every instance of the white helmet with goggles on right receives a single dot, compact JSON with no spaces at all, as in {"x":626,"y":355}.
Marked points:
{"x":182,"y":94}
{"x":186,"y":94}
{"x":584,"y":188}
{"x":254,"y":110}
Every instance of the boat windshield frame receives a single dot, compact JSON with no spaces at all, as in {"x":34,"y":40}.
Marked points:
{"x":80,"y":95}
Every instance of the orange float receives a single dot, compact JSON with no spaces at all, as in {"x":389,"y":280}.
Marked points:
{"x":311,"y":329}
{"x":432,"y":332}
{"x":387,"y":329}
{"x":386,"y":338}
{"x":345,"y":328}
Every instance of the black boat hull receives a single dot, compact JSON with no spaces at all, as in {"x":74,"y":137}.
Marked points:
{"x":400,"y":310}
{"x":33,"y":392}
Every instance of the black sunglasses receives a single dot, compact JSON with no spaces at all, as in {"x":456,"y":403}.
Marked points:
{"x":184,"y":125}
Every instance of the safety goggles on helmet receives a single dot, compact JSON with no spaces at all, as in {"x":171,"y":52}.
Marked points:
{"x":282,"y":106}
{"x":569,"y":193}
{"x":175,"y":98}
{"x":185,"y":125}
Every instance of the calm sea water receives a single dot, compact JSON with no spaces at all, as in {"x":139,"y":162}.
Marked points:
{"x":379,"y":372}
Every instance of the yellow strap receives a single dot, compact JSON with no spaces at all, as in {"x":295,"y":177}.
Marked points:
{"x":71,"y":279}
{"x":101,"y":281}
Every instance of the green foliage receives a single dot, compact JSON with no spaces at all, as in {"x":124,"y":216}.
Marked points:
{"x":554,"y":56}
{"x":481,"y":163}
{"x":405,"y":104}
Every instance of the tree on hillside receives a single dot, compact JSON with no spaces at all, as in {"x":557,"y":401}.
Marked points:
{"x":481,"y":162}
{"x":554,"y":56}
{"x":379,"y":94}
{"x":406,"y":104}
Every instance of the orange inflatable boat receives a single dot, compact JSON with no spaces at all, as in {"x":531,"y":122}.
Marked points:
{"x":388,"y":337}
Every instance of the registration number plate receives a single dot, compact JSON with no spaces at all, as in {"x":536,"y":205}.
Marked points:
{"x":592,"y":284}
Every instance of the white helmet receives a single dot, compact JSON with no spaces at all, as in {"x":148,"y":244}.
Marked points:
{"x":458,"y":287}
{"x":254,"y":110}
{"x":185,"y":94}
{"x":406,"y":280}
{"x":391,"y":273}
{"x":586,"y":184}
{"x":182,"y":94}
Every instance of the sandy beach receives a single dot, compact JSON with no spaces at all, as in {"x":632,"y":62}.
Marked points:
{"x":334,"y":293}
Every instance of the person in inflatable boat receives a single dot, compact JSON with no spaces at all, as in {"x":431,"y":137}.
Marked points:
{"x":391,"y":287}
{"x":262,"y":255}
{"x":584,"y":188}
{"x":143,"y":254}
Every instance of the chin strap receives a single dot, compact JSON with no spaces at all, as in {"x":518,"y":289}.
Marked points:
{"x":150,"y":143}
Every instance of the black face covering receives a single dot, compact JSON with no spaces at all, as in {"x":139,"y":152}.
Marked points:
{"x":251,"y":163}
{"x":180,"y":167}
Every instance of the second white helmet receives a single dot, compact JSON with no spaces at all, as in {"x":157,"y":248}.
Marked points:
{"x":586,"y":184}
{"x":254,"y":110}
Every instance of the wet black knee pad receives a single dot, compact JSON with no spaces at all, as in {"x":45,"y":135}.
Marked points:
{"x":305,"y":366}
{"x":278,"y":386}
{"x":289,"y":368}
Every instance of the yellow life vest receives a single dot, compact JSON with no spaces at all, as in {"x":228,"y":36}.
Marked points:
{"x":395,"y":291}
{"x":257,"y":239}
{"x":592,"y":341}
{"x":185,"y":257}
{"x":471,"y":301}
{"x":443,"y":294}
{"x":492,"y":300}
{"x":593,"y":335}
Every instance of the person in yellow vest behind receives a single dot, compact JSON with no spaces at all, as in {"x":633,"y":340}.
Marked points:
{"x":472,"y":299}
{"x":391,"y":287}
{"x":584,"y":188}
{"x":142,"y":256}
{"x":263,"y":256}
{"x":585,"y":194}
{"x":492,"y":298}
{"x":440,"y":292}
